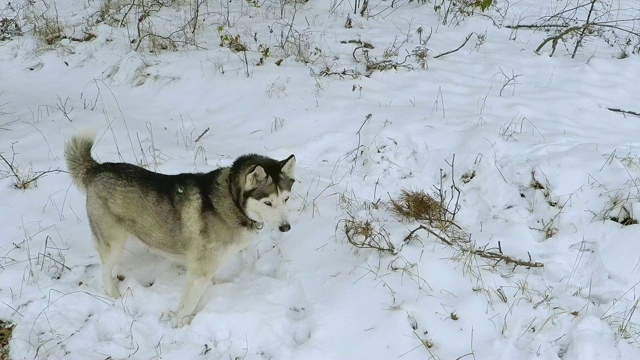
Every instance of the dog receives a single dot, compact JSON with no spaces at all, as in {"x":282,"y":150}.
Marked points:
{"x":198,"y":218}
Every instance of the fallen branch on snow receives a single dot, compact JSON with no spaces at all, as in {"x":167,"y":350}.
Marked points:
{"x":624,"y":111}
{"x":491,"y":255}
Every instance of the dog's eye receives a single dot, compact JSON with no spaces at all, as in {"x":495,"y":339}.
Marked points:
{"x":268,"y":203}
{"x":286,"y":199}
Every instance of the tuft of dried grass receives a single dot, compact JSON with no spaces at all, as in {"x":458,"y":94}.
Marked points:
{"x":418,"y":205}
{"x":50,"y":31}
{"x":6,"y":331}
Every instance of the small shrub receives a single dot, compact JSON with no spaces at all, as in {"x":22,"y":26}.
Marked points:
{"x":234,"y":43}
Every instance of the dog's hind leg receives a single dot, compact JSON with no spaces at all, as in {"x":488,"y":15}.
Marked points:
{"x":110,"y":240}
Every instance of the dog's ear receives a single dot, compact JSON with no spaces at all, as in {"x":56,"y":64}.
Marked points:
{"x":287,"y":165}
{"x":255,"y":178}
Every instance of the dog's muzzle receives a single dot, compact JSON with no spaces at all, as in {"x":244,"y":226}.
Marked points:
{"x":284,"y":227}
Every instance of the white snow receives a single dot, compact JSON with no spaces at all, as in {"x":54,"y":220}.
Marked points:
{"x":553,"y":165}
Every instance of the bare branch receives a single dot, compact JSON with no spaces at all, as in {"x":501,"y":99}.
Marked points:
{"x":624,"y":111}
{"x":456,"y":49}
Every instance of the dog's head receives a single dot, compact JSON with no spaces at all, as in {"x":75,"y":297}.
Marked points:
{"x":267,"y":188}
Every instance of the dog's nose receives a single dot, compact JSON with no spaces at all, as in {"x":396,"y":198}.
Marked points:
{"x":284,"y":227}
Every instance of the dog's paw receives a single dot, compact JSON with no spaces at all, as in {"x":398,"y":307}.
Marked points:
{"x":175,"y":320}
{"x":170,"y":317}
{"x":113,"y":291}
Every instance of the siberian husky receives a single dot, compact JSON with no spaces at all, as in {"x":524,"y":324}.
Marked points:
{"x":201,"y":218}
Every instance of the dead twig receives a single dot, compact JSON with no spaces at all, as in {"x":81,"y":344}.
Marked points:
{"x":491,"y":255}
{"x":534,"y":26}
{"x":364,"y":44}
{"x":554,"y":39}
{"x":201,"y":135}
{"x":354,"y":74}
{"x":363,"y":235}
{"x":22,"y":182}
{"x":456,"y":49}
{"x":507,"y":259}
{"x":10,"y":165}
{"x":624,"y":111}
{"x":430,"y":231}
{"x":584,"y":29}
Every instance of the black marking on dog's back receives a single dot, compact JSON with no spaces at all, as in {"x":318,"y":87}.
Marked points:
{"x":205,"y":183}
{"x":170,"y":187}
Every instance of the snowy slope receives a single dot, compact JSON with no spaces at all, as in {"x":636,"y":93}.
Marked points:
{"x":552,"y":165}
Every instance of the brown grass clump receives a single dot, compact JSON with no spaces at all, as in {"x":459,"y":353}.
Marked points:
{"x":6,"y":330}
{"x":418,"y":205}
{"x":49,"y":31}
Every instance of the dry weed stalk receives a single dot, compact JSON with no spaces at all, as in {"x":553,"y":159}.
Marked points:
{"x":28,"y":179}
{"x":452,"y":238}
{"x":363,"y":235}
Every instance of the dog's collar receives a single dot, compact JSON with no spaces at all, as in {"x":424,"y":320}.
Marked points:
{"x":251,"y":225}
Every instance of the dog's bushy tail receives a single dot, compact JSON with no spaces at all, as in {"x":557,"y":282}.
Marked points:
{"x":81,"y":164}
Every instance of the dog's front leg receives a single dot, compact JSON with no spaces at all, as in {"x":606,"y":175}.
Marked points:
{"x":200,"y":271}
{"x":196,"y":285}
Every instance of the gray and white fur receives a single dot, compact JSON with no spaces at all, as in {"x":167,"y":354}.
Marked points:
{"x":199,"y":218}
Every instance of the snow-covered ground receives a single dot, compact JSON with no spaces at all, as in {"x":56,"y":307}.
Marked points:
{"x":369,"y":109}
